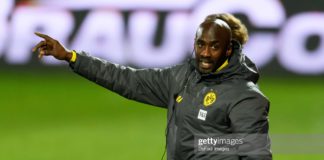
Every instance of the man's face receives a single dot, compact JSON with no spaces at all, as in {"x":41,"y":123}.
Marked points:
{"x":212,"y":46}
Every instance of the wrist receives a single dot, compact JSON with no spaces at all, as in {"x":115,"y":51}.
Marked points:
{"x":74,"y":56}
{"x":70,"y":56}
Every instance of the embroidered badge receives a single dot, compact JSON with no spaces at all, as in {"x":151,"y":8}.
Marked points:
{"x":179,"y":99}
{"x":202,"y":115}
{"x":210,"y":98}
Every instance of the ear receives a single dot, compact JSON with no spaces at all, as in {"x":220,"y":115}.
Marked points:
{"x":229,"y":50}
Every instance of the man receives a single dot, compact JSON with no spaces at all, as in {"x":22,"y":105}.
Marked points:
{"x":215,"y":94}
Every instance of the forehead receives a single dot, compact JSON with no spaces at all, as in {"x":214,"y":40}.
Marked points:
{"x":213,"y":30}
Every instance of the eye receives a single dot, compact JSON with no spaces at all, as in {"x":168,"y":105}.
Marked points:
{"x":215,"y":46}
{"x":200,"y":44}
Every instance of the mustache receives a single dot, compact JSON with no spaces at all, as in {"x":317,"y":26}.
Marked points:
{"x":206,"y":60}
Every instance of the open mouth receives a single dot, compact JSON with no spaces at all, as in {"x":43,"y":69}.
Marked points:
{"x":205,"y":64}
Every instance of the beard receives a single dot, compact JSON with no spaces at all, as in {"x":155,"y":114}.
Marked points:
{"x":205,"y":65}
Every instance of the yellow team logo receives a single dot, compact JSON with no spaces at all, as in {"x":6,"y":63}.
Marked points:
{"x":179,"y":99}
{"x":210,"y":98}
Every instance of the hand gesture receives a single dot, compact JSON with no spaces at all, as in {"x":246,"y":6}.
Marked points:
{"x":50,"y":46}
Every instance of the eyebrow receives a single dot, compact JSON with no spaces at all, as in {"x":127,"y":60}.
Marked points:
{"x":213,"y":41}
{"x":200,"y":40}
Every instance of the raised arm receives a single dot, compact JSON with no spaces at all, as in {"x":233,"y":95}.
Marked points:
{"x":151,"y":86}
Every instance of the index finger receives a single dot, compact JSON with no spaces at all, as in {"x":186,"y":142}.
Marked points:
{"x":46,"y":37}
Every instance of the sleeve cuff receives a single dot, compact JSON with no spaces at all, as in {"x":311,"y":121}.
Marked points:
{"x":75,"y":65}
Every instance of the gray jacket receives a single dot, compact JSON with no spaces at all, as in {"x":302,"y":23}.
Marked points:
{"x":226,"y":103}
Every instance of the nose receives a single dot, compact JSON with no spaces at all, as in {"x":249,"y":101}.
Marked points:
{"x":205,"y":52}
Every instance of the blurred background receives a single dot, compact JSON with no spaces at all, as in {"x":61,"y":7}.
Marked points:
{"x":47,"y":112}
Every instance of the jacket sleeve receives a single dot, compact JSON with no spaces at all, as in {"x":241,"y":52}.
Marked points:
{"x":249,"y":120}
{"x":150,"y":86}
